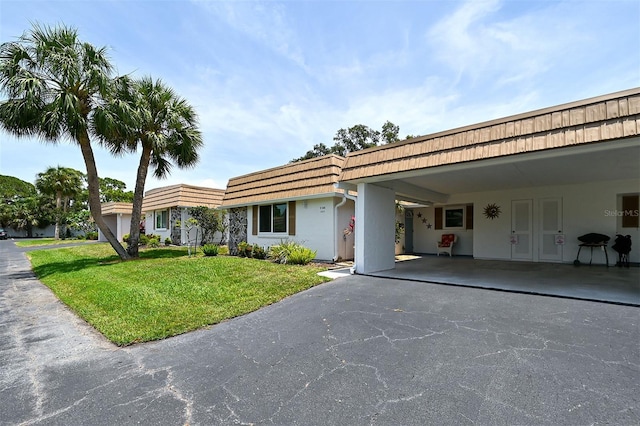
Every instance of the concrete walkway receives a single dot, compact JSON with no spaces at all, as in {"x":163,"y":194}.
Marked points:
{"x":594,"y":283}
{"x":355,"y":351}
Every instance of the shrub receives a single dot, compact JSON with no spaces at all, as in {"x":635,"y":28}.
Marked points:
{"x":301,"y":255}
{"x":167,"y":241}
{"x":210,"y":249}
{"x":92,"y":235}
{"x":144,"y":239}
{"x":223,"y":250}
{"x":245,"y":249}
{"x":153,"y":242}
{"x":258,"y":252}
{"x":126,"y":238}
{"x":291,"y":252}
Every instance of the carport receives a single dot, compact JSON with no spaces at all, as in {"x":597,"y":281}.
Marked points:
{"x":597,"y":283}
{"x":555,"y":174}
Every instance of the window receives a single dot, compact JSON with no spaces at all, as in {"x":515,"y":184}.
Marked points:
{"x":162,"y":217}
{"x":454,"y":218}
{"x":273,"y":218}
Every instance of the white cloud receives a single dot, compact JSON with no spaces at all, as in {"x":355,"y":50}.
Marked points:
{"x":481,"y":41}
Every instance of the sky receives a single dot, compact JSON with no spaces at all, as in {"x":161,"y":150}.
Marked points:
{"x":271,"y":79}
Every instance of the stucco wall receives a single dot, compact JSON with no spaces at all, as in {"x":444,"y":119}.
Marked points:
{"x":425,"y":237}
{"x":315,"y":227}
{"x":375,"y":229}
{"x":587,"y":207}
{"x":119,"y":224}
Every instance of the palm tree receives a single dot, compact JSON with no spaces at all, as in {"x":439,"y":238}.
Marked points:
{"x":25,"y":214}
{"x":63,"y":183}
{"x":53,"y":82}
{"x":163,"y":124}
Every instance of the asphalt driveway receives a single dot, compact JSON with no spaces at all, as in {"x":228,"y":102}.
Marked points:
{"x":358,"y":350}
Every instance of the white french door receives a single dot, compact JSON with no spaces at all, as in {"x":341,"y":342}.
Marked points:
{"x":521,"y":230}
{"x":550,"y":242}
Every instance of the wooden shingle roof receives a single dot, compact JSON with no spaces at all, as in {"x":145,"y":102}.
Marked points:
{"x":116,"y":208}
{"x":598,"y":119}
{"x":181,"y":195}
{"x":304,"y":179}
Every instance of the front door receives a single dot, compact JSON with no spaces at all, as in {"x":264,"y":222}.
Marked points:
{"x":408,"y":231}
{"x":521,"y":230}
{"x":550,"y":246}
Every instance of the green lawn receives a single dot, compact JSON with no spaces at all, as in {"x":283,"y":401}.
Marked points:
{"x":165,"y":292}
{"x":46,"y":242}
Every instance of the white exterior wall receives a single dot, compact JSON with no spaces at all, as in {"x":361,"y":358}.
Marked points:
{"x":587,"y":207}
{"x":375,"y":229}
{"x":315,"y":227}
{"x":425,"y":238}
{"x":119,"y":224}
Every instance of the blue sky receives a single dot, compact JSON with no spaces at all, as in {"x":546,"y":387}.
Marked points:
{"x":271,"y":79}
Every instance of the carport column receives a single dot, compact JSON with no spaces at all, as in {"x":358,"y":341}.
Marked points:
{"x":375,"y":229}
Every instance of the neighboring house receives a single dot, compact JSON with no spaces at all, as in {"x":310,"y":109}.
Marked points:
{"x":298,"y":202}
{"x":523,"y":187}
{"x":46,"y":232}
{"x":118,"y":218}
{"x":166,"y":210}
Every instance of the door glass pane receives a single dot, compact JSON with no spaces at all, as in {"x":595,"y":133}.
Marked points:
{"x":523,"y":244}
{"x":522,"y":217}
{"x":550,"y":216}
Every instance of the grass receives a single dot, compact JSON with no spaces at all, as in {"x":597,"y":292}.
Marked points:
{"x":47,"y":242}
{"x":165,"y":292}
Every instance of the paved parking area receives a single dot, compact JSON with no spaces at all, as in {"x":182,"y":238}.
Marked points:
{"x":358,"y":350}
{"x":594,"y":283}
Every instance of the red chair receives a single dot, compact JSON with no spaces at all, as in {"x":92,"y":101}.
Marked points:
{"x":445,"y":245}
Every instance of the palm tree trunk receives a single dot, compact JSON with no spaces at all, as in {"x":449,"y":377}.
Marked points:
{"x":94,"y":195}
{"x":138,"y":195}
{"x":56,"y":234}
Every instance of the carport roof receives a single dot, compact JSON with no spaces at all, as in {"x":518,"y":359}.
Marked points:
{"x":602,"y":119}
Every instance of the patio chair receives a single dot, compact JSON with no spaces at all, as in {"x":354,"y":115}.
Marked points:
{"x":445,"y":245}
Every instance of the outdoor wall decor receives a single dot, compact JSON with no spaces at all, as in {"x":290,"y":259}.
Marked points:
{"x":424,"y":220}
{"x":492,"y":211}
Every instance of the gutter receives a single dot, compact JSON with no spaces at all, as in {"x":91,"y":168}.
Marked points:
{"x":345,"y":196}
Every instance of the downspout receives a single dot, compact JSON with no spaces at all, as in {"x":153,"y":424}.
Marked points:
{"x":335,"y":222}
{"x":345,"y":196}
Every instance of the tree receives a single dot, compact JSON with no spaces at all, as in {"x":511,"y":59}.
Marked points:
{"x":353,"y":139}
{"x":209,"y":220}
{"x":63,"y":183}
{"x":12,"y":188}
{"x":28,"y":212}
{"x":113,"y":190}
{"x":147,"y":114}
{"x":53,"y":82}
{"x":318,"y":150}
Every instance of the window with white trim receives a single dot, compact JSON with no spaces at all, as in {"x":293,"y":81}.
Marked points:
{"x":162,"y":219}
{"x":272,"y":218}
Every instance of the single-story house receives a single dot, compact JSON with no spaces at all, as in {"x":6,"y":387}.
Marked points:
{"x":521,"y":188}
{"x":166,"y":210}
{"x":299,"y":202}
{"x":118,"y":218}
